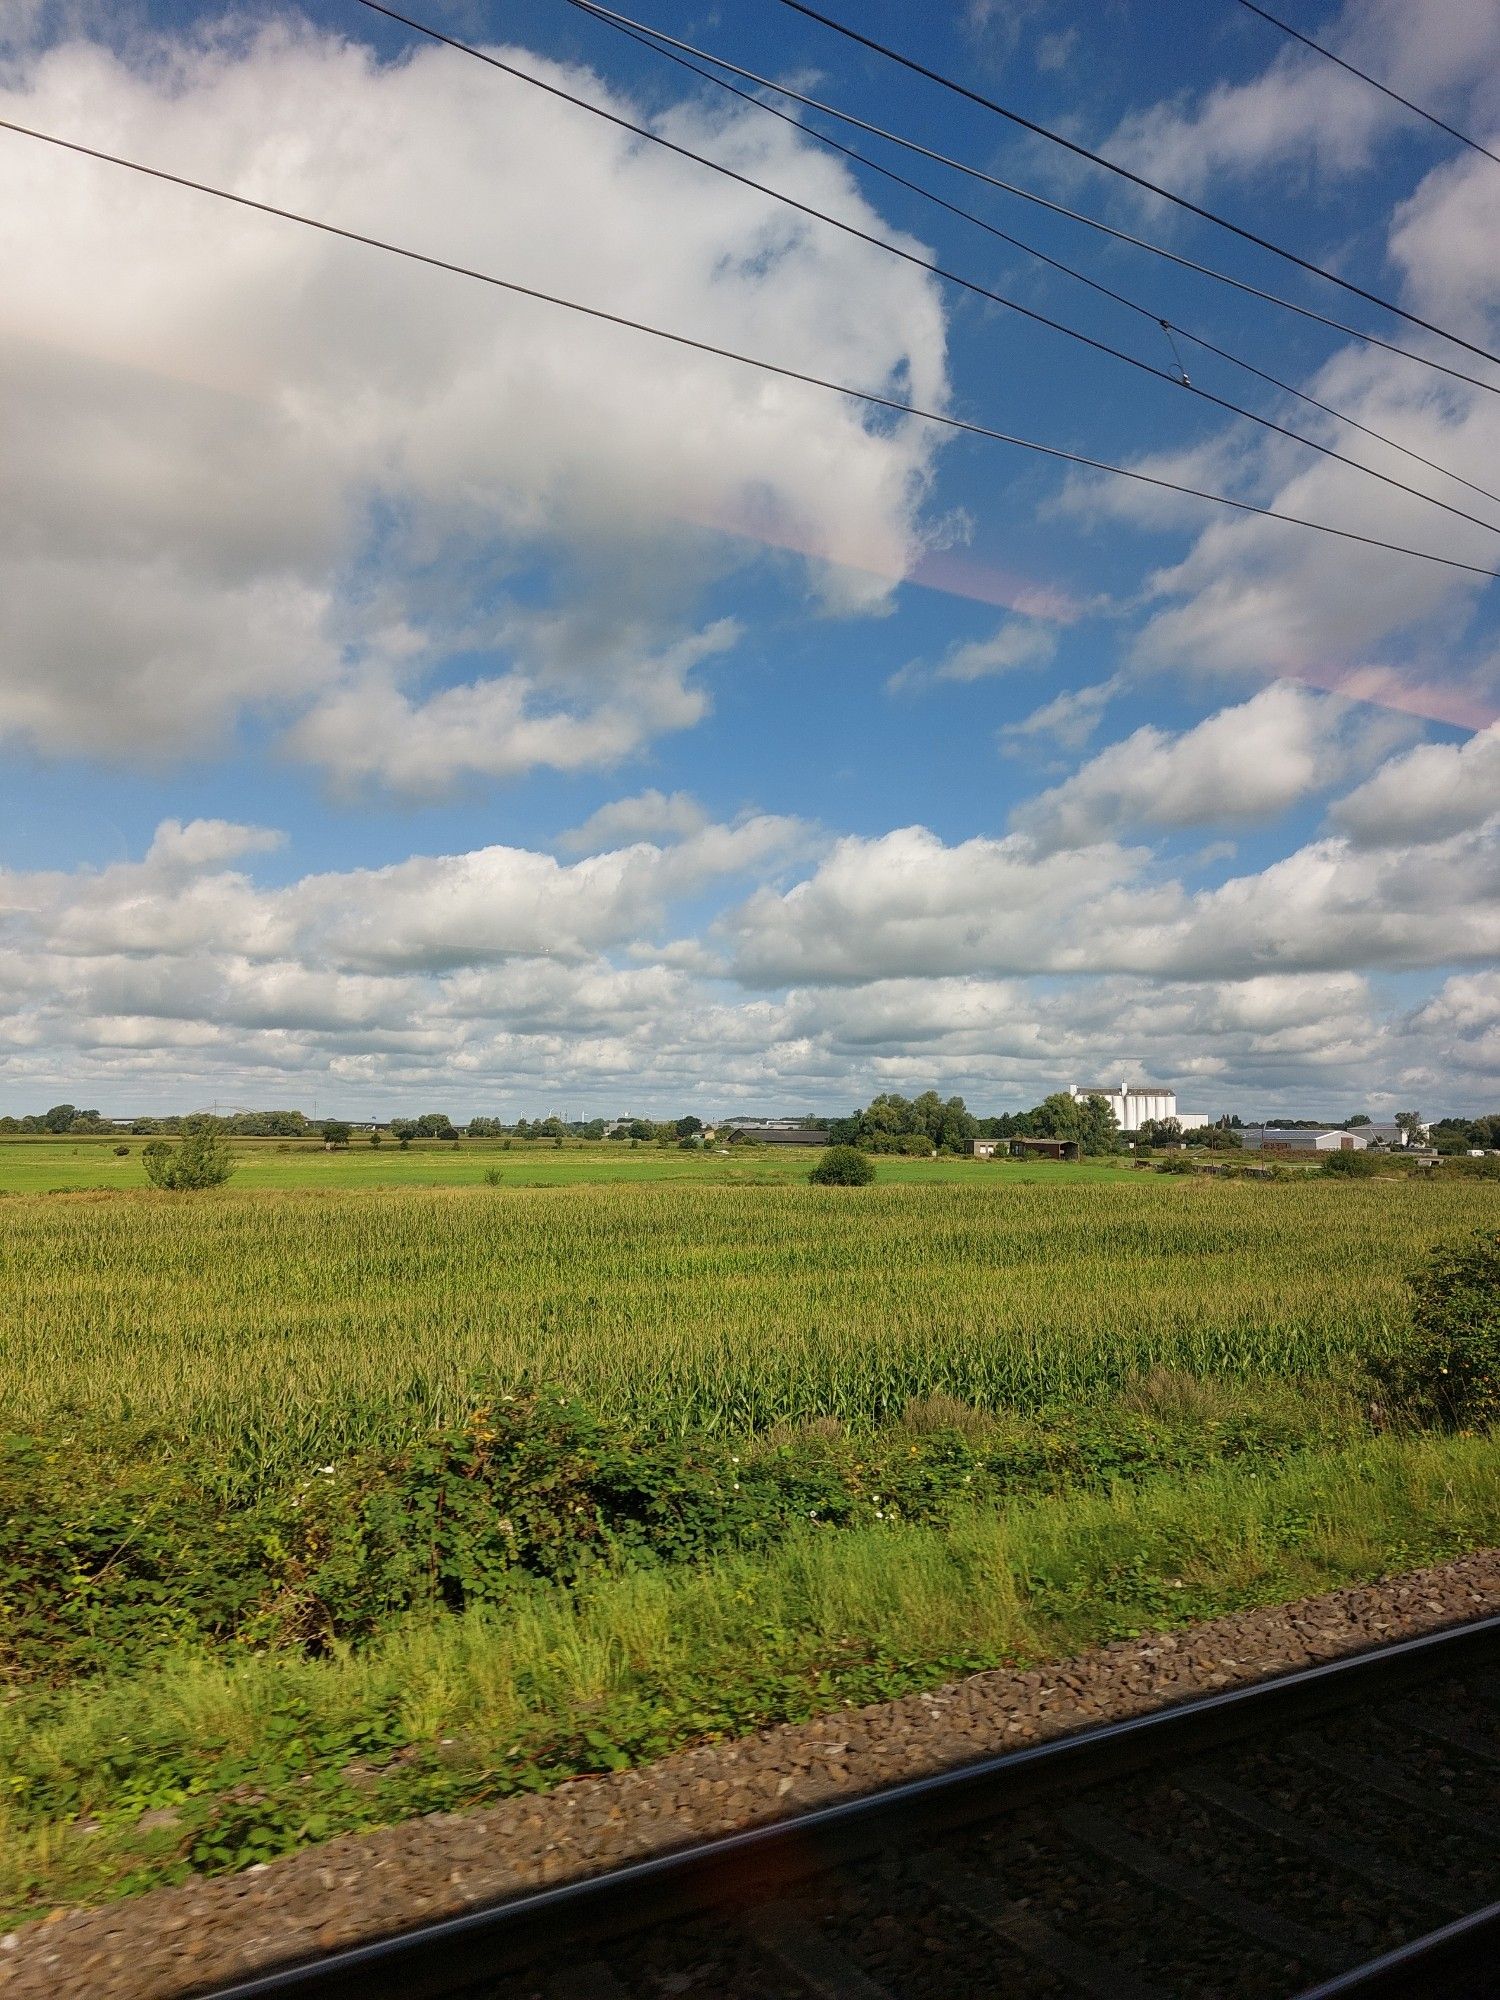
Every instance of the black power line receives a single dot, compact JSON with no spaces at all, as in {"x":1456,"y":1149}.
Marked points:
{"x":867,"y":396}
{"x":658,"y":37}
{"x":910,"y":257}
{"x":1168,"y":326}
{"x":1373,"y":81}
{"x":1129,"y":174}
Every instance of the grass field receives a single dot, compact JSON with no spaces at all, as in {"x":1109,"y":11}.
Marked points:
{"x":43,"y":1166}
{"x":841,"y":1444}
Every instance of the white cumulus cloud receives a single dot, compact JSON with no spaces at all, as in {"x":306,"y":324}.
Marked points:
{"x":1246,"y":763}
{"x":250,"y":468}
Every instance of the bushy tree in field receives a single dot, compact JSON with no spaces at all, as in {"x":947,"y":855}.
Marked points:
{"x":843,"y":1166}
{"x":203,"y":1160}
{"x":891,"y":1123}
{"x":1446,"y":1367}
{"x":431,"y":1125}
{"x":268,"y":1124}
{"x":1089,"y":1120}
{"x":1159,"y":1132}
{"x":336,"y":1132}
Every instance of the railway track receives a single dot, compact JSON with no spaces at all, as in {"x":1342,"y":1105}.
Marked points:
{"x":1330,"y":1832}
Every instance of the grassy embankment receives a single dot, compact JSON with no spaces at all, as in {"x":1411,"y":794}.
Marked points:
{"x":1097,"y":1407}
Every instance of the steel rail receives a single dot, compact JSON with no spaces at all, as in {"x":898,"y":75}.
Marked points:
{"x":1461,"y":1959}
{"x":736,"y":1873}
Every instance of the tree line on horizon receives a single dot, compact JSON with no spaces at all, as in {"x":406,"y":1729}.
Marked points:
{"x":889,"y":1123}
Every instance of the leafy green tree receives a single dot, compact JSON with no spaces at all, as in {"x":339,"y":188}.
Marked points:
{"x":1159,"y":1132}
{"x":59,"y":1118}
{"x":1409,"y":1124}
{"x":336,"y":1132}
{"x":1089,"y":1120}
{"x":689,"y":1127}
{"x":843,"y":1166}
{"x":1218,"y":1138}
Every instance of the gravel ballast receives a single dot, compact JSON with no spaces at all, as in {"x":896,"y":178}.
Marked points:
{"x":177,"y":1942}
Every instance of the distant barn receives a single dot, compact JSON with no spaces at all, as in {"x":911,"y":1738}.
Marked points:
{"x":774,"y":1131}
{"x":1044,"y":1149}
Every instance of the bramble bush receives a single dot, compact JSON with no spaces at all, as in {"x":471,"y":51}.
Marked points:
{"x":1445,"y":1369}
{"x":119,"y":1546}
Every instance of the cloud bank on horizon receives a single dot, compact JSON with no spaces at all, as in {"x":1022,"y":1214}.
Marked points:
{"x":410,"y":695}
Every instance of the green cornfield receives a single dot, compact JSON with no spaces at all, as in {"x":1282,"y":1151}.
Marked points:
{"x":279,"y":1327}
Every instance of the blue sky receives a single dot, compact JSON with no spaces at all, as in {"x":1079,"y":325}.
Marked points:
{"x":412,"y":695}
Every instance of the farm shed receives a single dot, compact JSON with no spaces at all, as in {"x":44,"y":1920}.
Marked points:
{"x":1044,"y":1149}
{"x":774,"y":1131}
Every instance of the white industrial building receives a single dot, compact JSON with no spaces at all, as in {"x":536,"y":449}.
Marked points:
{"x":1135,"y":1103}
{"x":1303,"y":1139}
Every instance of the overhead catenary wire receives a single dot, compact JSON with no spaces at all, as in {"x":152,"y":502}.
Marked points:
{"x":1129,"y":174}
{"x":921,"y":263}
{"x":1170,"y":327}
{"x":1373,"y":81}
{"x":659,"y":37}
{"x":871,"y":398}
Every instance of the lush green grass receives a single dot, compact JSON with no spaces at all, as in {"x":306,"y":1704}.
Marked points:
{"x":33,"y":1165}
{"x":256,"y":1755}
{"x":287,"y":1328}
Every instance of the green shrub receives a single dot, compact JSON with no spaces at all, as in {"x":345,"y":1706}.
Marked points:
{"x":117,"y":1545}
{"x":1446,"y":1367}
{"x":203,"y":1160}
{"x":842,"y":1166}
{"x":1358,"y":1166}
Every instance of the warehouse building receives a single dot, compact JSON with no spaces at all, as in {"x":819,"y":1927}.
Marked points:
{"x":1277,"y":1139}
